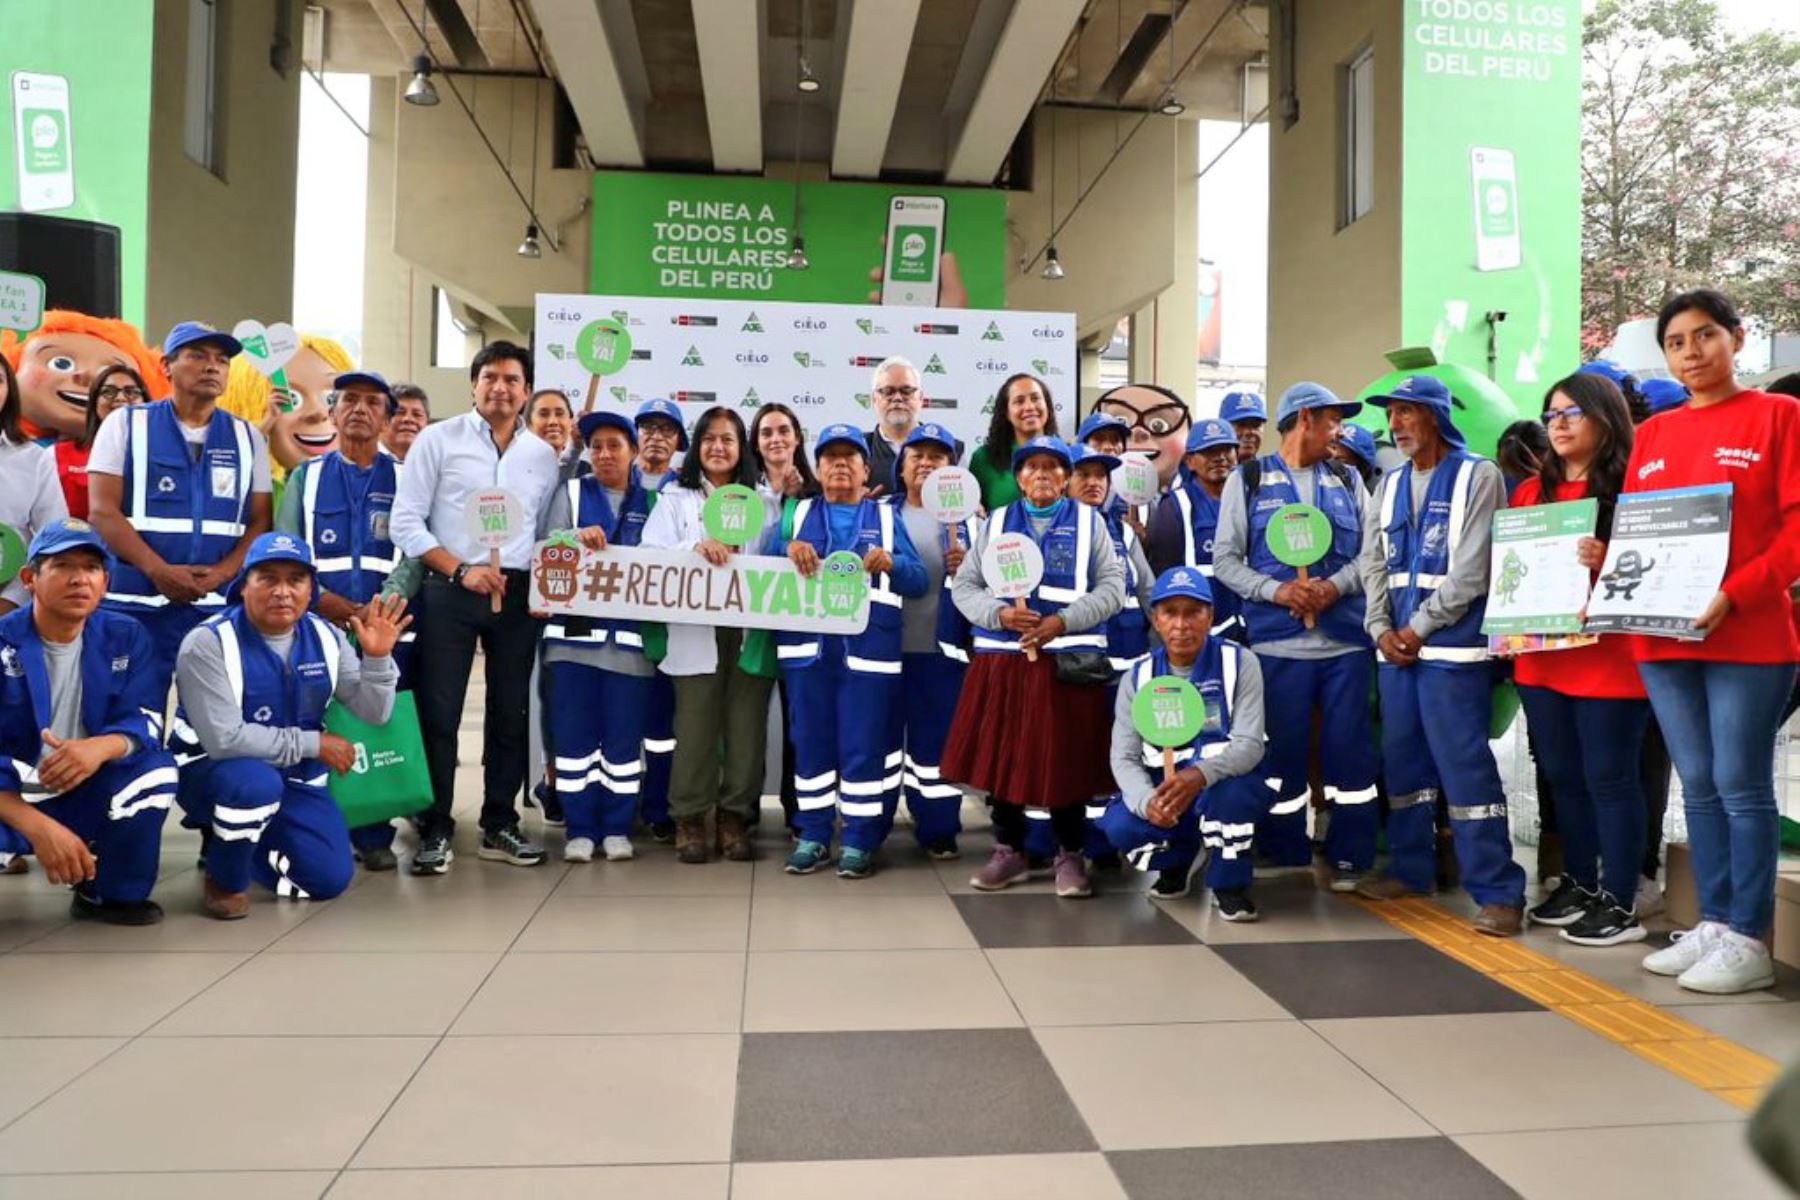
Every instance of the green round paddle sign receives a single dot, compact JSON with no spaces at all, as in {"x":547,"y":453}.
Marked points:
{"x":843,"y":584}
{"x":1168,"y":711}
{"x":603,"y":346}
{"x":1298,"y":535}
{"x":12,"y":554}
{"x":733,"y":515}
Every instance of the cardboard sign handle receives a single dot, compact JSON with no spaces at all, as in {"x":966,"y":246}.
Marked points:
{"x":1305,"y":578}
{"x":1168,"y":763}
{"x":1019,"y":605}
{"x":494,"y":562}
{"x":592,"y":392}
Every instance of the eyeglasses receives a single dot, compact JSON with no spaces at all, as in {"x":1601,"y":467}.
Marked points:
{"x":131,"y":395}
{"x":1570,"y":414}
{"x":896,"y":393}
{"x":1158,"y":421}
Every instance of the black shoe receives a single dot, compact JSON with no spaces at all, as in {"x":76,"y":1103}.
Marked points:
{"x":942,"y":850}
{"x":553,"y":810}
{"x":1234,"y":904}
{"x":1171,"y":884}
{"x":1111,"y":863}
{"x":511,"y":846}
{"x":1565,"y":906}
{"x":85,"y":906}
{"x":1037,"y":866}
{"x":377,"y":858}
{"x":1604,"y":924}
{"x":433,"y":857}
{"x":662,"y":832}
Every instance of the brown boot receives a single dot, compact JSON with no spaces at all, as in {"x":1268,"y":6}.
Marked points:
{"x":1386,"y":887}
{"x":222,"y":905}
{"x":690,"y":840}
{"x":1498,"y":920}
{"x":734,"y":837}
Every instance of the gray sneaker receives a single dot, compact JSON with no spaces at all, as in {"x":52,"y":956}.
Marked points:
{"x":433,"y":856}
{"x":1005,"y":868}
{"x":511,"y":846}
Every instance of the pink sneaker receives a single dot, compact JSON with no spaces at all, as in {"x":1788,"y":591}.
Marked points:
{"x":1072,"y":877}
{"x":1005,"y":868}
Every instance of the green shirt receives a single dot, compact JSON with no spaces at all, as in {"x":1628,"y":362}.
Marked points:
{"x":998,"y":487}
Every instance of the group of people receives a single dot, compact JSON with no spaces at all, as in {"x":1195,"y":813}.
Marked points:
{"x":1359,"y":689}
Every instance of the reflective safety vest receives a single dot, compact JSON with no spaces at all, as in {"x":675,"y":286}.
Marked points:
{"x":1214,"y":674}
{"x":876,"y":650}
{"x":344,"y":516}
{"x":1127,"y":631}
{"x":1199,"y":525}
{"x":281,"y":695}
{"x":1067,"y":544}
{"x":589,"y":505}
{"x":1419,"y":548}
{"x":1270,"y":622}
{"x":189,"y":512}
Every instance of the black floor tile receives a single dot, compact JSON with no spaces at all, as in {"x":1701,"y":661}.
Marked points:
{"x":909,"y":1094}
{"x":1026,"y":922}
{"x":1389,"y":1169}
{"x":1324,"y":980}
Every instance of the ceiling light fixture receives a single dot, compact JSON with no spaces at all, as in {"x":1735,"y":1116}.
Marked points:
{"x":797,"y":260}
{"x":1053,"y":268}
{"x":1171,"y":106}
{"x":808,"y":82}
{"x":421,"y":91}
{"x":529,"y":247}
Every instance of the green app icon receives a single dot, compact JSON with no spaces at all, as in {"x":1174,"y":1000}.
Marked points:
{"x":913,"y":255}
{"x":1499,"y":212}
{"x":46,"y":141}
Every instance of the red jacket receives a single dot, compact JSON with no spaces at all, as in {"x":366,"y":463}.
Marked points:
{"x":71,"y":472}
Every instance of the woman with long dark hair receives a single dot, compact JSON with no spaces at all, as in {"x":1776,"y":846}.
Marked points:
{"x":548,"y":415}
{"x":1585,"y":705}
{"x":114,"y":387}
{"x":1023,"y":410}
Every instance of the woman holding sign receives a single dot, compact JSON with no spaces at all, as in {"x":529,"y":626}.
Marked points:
{"x":1719,"y":700}
{"x":1042,"y":577}
{"x":721,"y":710}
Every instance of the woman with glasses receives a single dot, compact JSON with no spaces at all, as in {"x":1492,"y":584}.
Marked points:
{"x":1585,"y":705}
{"x":114,"y":387}
{"x":1719,"y":699}
{"x":1022,"y":410}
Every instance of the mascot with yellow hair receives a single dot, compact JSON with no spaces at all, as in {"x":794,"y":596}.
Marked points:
{"x":295,"y":420}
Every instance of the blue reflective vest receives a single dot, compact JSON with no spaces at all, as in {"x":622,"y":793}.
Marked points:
{"x":1214,"y":674}
{"x":876,"y":650}
{"x":1418,"y":550}
{"x":1341,"y":622}
{"x":1127,"y":631}
{"x":189,"y":512}
{"x":588,"y":505}
{"x":344,"y":516}
{"x":282,"y":694}
{"x":1067,"y":545}
{"x":1199,"y":526}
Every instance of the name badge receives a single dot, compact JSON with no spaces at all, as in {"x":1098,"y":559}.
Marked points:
{"x":224,"y":483}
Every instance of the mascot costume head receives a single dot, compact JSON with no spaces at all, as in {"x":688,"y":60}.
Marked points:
{"x":57,"y":361}
{"x":297,"y":423}
{"x":1159,"y":421}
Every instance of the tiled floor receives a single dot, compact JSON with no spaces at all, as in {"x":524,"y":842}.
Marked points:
{"x":651,"y":1030}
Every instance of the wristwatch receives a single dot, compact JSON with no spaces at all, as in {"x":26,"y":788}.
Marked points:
{"x":456,"y":576}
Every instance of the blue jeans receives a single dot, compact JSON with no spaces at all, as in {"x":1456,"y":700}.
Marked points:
{"x":1589,"y":749}
{"x":1719,"y":719}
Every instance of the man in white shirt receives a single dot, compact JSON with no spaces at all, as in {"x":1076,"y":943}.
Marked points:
{"x":450,"y":461}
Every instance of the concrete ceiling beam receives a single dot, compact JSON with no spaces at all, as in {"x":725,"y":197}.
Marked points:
{"x":868,"y":86}
{"x":728,"y":34}
{"x":593,"y":47}
{"x":1033,"y":36}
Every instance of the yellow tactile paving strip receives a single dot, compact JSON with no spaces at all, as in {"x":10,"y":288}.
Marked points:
{"x":1721,"y":1066}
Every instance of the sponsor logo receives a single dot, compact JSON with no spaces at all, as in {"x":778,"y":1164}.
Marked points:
{"x":562,"y":316}
{"x":993,"y":366}
{"x":165,"y":485}
{"x":625,"y":395}
{"x":1044,"y":366}
{"x":862,"y":398}
{"x":694,"y":320}
{"x":864,"y":360}
{"x":938,"y":401}
{"x":262,"y":714}
{"x":554,"y":350}
{"x":752,"y":324}
{"x":624,"y":318}
{"x":750,"y":400}
{"x":122,"y":663}
{"x":813,"y":324}
{"x":1651,"y":468}
{"x":328,"y":537}
{"x":751,"y":358}
{"x":361,"y":763}
{"x":936,"y":329}
{"x":992,"y":333}
{"x":806,"y":399}
{"x":692,"y":357}
{"x":695,"y":397}
{"x":1049,"y":333}
{"x":640,"y":356}
{"x":935,"y":366}
{"x":809,"y":360}
{"x":9,"y":662}
{"x":869,"y":327}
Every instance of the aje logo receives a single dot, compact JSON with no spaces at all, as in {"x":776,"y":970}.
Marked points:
{"x":752,"y":324}
{"x":750,"y":400}
{"x":992,"y":333}
{"x":692,"y":357}
{"x":934,"y":367}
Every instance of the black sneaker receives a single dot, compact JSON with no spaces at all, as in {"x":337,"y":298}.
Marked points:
{"x":1604,"y":924}
{"x":942,"y":849}
{"x":662,"y":832}
{"x":433,"y":857}
{"x":85,"y":906}
{"x":377,"y":858}
{"x":1565,"y":906}
{"x":511,"y":846}
{"x":1171,"y":884}
{"x":1234,"y":904}
{"x":1110,"y":862}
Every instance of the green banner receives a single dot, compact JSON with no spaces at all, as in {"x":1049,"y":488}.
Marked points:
{"x":75,"y":142}
{"x":728,"y":237}
{"x":1491,"y":187}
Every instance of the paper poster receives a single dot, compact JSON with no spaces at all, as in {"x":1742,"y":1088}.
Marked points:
{"x":1664,"y":563}
{"x":1535,"y":582}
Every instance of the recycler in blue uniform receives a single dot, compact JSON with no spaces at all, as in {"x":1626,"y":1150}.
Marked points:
{"x":839,"y":686}
{"x":1246,"y":414}
{"x":934,"y":646}
{"x":254,"y":682}
{"x":1320,"y":668}
{"x":1425,"y":569}
{"x":1215,"y":795}
{"x":83,"y":784}
{"x":340,"y":504}
{"x":599,"y":679}
{"x":1186,"y":520}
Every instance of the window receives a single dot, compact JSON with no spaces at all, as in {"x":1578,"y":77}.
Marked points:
{"x":200,"y":127}
{"x":449,"y":337}
{"x":1356,"y":155}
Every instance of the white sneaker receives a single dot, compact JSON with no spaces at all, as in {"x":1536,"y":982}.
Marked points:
{"x":1734,"y":964}
{"x":618,"y":848}
{"x":1649,"y":898}
{"x":579,"y":850}
{"x":1684,"y":949}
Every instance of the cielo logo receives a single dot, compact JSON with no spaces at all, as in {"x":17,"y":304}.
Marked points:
{"x":806,"y":399}
{"x":562,"y":316}
{"x":990,"y":366}
{"x":814,"y":324}
{"x":751,"y":358}
{"x":1049,"y":333}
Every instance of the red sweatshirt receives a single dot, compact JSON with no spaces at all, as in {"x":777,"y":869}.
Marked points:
{"x":1751,"y":441}
{"x":71,"y":472}
{"x":1604,"y":670}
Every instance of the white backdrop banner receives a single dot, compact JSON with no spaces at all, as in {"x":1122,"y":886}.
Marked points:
{"x":816,"y":358}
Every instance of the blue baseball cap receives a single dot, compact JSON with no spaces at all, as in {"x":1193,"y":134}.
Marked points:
{"x":1430,"y":392}
{"x":1662,"y":394}
{"x":668,"y":412}
{"x":1242,"y":406}
{"x":64,"y":534}
{"x":368,"y":379}
{"x":924,"y":432}
{"x":1043,"y":444}
{"x":1181,"y":581}
{"x":1079,"y":454}
{"x":608,"y":420}
{"x":1307,"y":394}
{"x":837,"y":433}
{"x":268,"y":548}
{"x":1096,"y":421}
{"x":187,"y":333}
{"x":1605,"y":367}
{"x":1358,"y":441}
{"x":1208,"y":435}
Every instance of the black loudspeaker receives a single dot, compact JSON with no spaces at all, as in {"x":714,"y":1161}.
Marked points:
{"x":77,"y":260}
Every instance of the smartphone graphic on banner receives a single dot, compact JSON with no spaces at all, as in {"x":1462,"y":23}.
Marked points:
{"x":41,"y":138}
{"x":915,"y":239}
{"x":1496,"y":209}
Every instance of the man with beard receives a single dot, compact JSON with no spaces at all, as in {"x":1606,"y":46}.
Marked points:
{"x":898,"y":395}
